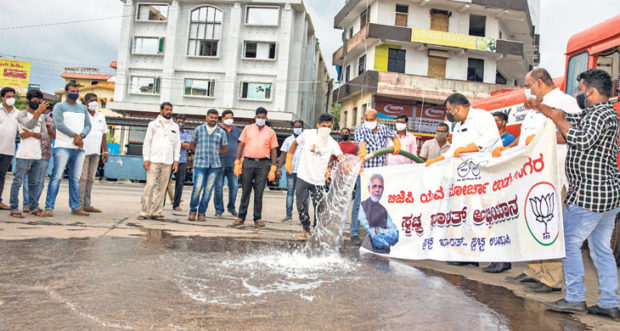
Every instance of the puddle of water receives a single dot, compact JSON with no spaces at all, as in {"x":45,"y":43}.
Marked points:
{"x":224,"y":283}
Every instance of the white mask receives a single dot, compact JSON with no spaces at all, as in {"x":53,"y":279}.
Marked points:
{"x":260,"y":121}
{"x":92,"y":106}
{"x":401,"y":126}
{"x":228,"y":121}
{"x":10,"y":102}
{"x":324,"y":133}
{"x":370,"y":125}
{"x":528,"y":94}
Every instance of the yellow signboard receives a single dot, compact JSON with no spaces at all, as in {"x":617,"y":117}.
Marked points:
{"x":453,"y":40}
{"x":14,"y":73}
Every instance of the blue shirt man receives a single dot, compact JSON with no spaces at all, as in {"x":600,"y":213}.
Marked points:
{"x":209,"y":141}
{"x":179,"y":176}
{"x":291,"y":179}
{"x":228,"y":167}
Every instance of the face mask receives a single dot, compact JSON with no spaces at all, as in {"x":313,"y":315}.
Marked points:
{"x":528,"y":94}
{"x":73,"y":96}
{"x":260,"y":121}
{"x":344,"y":137}
{"x":581,"y":100}
{"x":167,"y":116}
{"x":401,"y":126}
{"x":297,"y":131}
{"x":371,"y":125}
{"x":324,"y":132}
{"x":450,"y":117}
{"x":10,"y":102}
{"x":229,"y":121}
{"x":92,"y":106}
{"x":34,"y":105}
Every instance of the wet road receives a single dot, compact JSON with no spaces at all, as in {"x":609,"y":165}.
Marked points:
{"x":164,"y":282}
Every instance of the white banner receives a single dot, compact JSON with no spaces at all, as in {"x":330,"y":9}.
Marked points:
{"x":474,"y":208}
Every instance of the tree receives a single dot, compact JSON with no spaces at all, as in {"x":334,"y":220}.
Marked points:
{"x":336,"y":107}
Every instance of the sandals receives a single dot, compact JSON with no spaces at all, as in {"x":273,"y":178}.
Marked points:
{"x":259,"y":223}
{"x":192,"y":216}
{"x":238,"y":222}
{"x":16,"y":214}
{"x":202,"y":218}
{"x":37,"y":212}
{"x":142,"y":218}
{"x":157,"y":217}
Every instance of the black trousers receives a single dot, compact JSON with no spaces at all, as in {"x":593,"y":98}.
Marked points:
{"x":180,"y":182}
{"x":5,"y":163}
{"x":304,"y":189}
{"x":253,"y":176}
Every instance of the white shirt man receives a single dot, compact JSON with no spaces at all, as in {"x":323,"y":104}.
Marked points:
{"x":8,"y":131}
{"x":93,"y":143}
{"x":479,"y":128}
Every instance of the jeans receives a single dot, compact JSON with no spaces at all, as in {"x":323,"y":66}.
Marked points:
{"x":233,"y":187}
{"x":44,"y":166}
{"x":33,"y":169}
{"x":253,"y":176}
{"x":291,"y":180}
{"x":179,"y":177}
{"x":5,"y":163}
{"x":25,"y":191}
{"x":303,"y":190}
{"x":65,"y":158}
{"x":354,"y":229}
{"x":204,"y":182}
{"x":581,"y":224}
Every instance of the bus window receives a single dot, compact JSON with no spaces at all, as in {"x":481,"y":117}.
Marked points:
{"x":576,"y":65}
{"x":609,"y":61}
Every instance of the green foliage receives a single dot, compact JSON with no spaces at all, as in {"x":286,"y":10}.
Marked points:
{"x":336,"y":107}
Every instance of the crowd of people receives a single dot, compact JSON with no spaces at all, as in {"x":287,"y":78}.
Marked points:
{"x":587,"y":133}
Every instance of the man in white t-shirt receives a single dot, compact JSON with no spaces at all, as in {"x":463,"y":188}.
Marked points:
{"x":28,"y":155}
{"x":94,"y":143}
{"x":317,"y":149}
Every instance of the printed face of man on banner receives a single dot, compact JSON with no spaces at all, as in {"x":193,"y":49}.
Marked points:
{"x":382,"y":233}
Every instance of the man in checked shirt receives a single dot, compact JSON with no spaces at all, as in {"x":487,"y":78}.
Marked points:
{"x":593,"y":198}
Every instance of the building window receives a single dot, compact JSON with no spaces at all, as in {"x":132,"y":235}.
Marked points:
{"x":477,"y":25}
{"x":350,"y":33}
{"x":345,"y":119}
{"x":396,"y":60}
{"x":354,"y":116}
{"x":440,"y":20}
{"x":144,"y":85}
{"x":402,"y":12}
{"x":256,"y":91}
{"x":260,"y":50}
{"x":199,"y":87}
{"x":205,"y":31}
{"x":268,"y":16}
{"x":103,"y":103}
{"x":365,"y":18}
{"x":347,"y":74}
{"x":148,"y":45}
{"x":475,"y":70}
{"x":158,"y":13}
{"x":361,"y":65}
{"x":499,"y":78}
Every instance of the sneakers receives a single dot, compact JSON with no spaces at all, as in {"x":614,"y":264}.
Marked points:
{"x":355,"y":240}
{"x":47,"y":213}
{"x":567,"y":307}
{"x":522,"y":278}
{"x":613,"y":313}
{"x":92,"y":209}
{"x":79,"y":212}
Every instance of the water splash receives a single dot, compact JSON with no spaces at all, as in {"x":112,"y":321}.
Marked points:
{"x":331,"y":211}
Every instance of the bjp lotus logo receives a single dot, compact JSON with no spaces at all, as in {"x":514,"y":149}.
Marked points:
{"x":542,"y":213}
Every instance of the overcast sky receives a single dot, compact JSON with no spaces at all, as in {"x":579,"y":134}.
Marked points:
{"x":51,"y":48}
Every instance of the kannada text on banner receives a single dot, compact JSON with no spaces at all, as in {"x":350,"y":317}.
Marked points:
{"x":14,"y":73}
{"x":474,"y":208}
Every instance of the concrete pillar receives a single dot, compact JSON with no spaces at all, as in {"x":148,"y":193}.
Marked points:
{"x":282,"y":75}
{"x":168,"y":84}
{"x":124,"y":52}
{"x":231,"y":31}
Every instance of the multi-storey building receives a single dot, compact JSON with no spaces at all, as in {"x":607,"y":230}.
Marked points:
{"x":222,"y":54}
{"x":407,"y":56}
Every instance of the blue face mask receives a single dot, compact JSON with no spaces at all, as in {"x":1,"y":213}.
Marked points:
{"x":297,"y":131}
{"x":73,"y":96}
{"x":260,"y":121}
{"x":528,"y":94}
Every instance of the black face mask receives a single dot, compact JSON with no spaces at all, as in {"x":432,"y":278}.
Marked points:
{"x":344,"y":137}
{"x":34,"y":105}
{"x":581,"y":100}
{"x":167,"y":116}
{"x":450,"y":117}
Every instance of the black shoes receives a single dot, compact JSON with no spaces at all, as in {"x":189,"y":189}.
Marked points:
{"x":522,"y":278}
{"x":497,"y":267}
{"x":567,"y":307}
{"x":613,"y":313}
{"x":460,"y":264}
{"x":355,"y":240}
{"x":542,"y":288}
